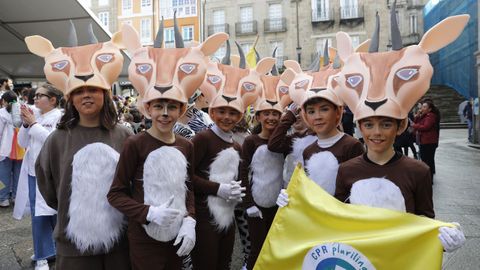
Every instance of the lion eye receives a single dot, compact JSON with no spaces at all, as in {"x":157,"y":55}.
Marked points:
{"x":354,"y":80}
{"x":248,"y":86}
{"x":60,"y":65}
{"x":283,"y":89}
{"x":406,"y":73}
{"x":144,"y":68}
{"x":301,"y":84}
{"x":187,"y":68}
{"x":213,"y":79}
{"x":105,"y":58}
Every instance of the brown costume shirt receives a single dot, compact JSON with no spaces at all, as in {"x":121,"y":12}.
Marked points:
{"x":54,"y":173}
{"x":206,"y":147}
{"x":279,"y":141}
{"x":411,"y":176}
{"x":344,"y":149}
{"x":127,"y":193}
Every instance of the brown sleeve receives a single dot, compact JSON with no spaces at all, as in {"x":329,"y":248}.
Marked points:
{"x":120,"y":195}
{"x":47,"y":183}
{"x":279,"y":142}
{"x":341,"y":191}
{"x":244,"y":171}
{"x":200,"y":184}
{"x":423,"y":196}
{"x":190,"y":199}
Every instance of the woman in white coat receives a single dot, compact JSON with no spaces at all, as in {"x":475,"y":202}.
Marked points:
{"x":32,"y":135}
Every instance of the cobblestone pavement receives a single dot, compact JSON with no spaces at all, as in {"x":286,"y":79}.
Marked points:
{"x":456,"y":188}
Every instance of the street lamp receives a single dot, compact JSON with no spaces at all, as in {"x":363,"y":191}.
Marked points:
{"x":299,"y":54}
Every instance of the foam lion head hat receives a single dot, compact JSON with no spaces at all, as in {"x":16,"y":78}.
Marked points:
{"x":234,"y":87}
{"x":275,"y":94}
{"x":167,"y":73}
{"x":97,"y":64}
{"x":390,"y":83}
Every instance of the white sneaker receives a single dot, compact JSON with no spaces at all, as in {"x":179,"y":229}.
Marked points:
{"x":41,"y":265}
{"x":5,"y":203}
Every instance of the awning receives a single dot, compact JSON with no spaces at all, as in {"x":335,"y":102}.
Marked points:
{"x":50,"y":19}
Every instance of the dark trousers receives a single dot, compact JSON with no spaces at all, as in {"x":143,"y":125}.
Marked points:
{"x":147,"y":255}
{"x":117,"y":260}
{"x":258,"y":229}
{"x":427,"y":154}
{"x":213,"y":249}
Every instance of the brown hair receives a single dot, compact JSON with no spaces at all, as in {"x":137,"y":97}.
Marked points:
{"x":108,"y":114}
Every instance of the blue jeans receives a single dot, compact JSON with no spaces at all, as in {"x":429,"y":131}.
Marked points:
{"x":42,"y":227}
{"x":9,"y":173}
{"x":470,"y":130}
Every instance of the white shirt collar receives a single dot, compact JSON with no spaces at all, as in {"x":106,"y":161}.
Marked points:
{"x":328,"y":142}
{"x":226,"y":136}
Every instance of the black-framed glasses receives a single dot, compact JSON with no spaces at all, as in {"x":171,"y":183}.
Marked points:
{"x":40,"y":95}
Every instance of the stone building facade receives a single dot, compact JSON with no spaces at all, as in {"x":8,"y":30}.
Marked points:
{"x":276,"y":23}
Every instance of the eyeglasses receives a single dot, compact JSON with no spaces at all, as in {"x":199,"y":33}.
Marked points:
{"x":40,"y":95}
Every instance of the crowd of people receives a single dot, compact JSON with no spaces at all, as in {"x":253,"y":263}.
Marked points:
{"x":162,"y":180}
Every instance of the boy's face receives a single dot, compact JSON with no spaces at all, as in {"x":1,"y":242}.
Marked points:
{"x":322,"y":117}
{"x":164,"y":114}
{"x":379,"y":133}
{"x":268,"y":119}
{"x":225,"y":117}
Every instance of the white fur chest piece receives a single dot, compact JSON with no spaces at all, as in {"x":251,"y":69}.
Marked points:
{"x":94,"y":224}
{"x":267,"y":168}
{"x":223,"y":170}
{"x":164,"y":175}
{"x":377,"y":192}
{"x":322,"y":168}
{"x":298,"y":146}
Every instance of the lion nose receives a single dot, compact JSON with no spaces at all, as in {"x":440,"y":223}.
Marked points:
{"x":375,"y":104}
{"x":84,"y":78}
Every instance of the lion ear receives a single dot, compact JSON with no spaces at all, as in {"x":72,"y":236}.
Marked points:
{"x":443,"y":33}
{"x":39,"y":45}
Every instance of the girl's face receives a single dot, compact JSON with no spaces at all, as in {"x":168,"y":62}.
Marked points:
{"x":164,"y":114}
{"x":43,"y":101}
{"x":379,"y":133}
{"x":323,"y":117}
{"x":88,"y":101}
{"x":225,"y":117}
{"x":268,"y":119}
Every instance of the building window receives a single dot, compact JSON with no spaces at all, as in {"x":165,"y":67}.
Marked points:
{"x":246,"y":19}
{"x":146,"y":30}
{"x":320,"y":10}
{"x":169,"y":35}
{"x":127,"y":7}
{"x":104,"y":18}
{"x":349,"y":9}
{"x":279,"y":54}
{"x":413,"y":24}
{"x":184,"y":8}
{"x":246,"y":47}
{"x":321,"y":44}
{"x":219,"y":21}
{"x":355,"y":41}
{"x":146,"y":6}
{"x":103,"y":2}
{"x":275,"y":16}
{"x":187,"y":33}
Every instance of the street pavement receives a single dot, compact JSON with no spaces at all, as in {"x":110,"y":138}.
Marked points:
{"x":456,"y":197}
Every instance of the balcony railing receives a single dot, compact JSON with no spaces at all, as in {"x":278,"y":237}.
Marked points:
{"x":275,"y":25}
{"x":246,"y":28}
{"x":414,"y":4}
{"x":215,"y":28}
{"x":351,"y":12}
{"x":413,"y":38}
{"x":322,"y":15}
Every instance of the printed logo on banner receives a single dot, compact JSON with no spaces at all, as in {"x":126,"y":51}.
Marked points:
{"x":335,"y":256}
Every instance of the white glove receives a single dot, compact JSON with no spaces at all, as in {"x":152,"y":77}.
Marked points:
{"x":451,"y":238}
{"x":162,"y":215}
{"x":231,"y":192}
{"x":186,"y":235}
{"x":282,"y":199}
{"x":254,"y":212}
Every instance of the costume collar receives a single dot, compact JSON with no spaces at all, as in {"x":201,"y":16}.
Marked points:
{"x":328,"y":142}
{"x":226,"y":136}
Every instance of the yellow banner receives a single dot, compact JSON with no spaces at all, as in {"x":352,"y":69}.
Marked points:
{"x":316,"y":231}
